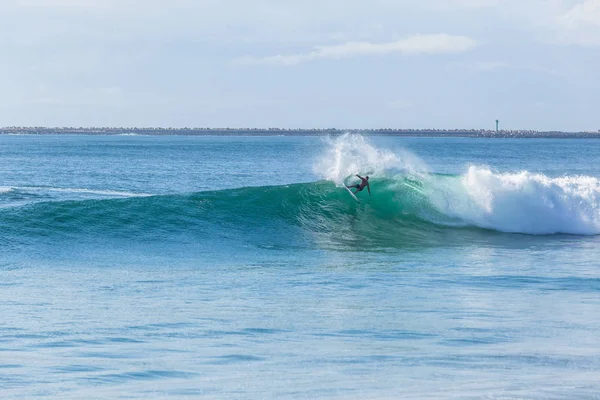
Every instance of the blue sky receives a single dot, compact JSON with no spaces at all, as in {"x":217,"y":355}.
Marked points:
{"x":301,"y":64}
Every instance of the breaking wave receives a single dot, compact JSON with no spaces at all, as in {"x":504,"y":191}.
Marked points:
{"x":408,"y":205}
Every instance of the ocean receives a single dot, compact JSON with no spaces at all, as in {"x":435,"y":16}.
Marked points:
{"x":183,"y":267}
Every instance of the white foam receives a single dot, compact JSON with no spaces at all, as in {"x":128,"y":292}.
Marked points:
{"x":351,"y":154}
{"x":5,"y":189}
{"x":522,"y":202}
{"x":99,"y":192}
{"x":112,"y":193}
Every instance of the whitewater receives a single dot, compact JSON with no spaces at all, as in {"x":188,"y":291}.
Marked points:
{"x":239,"y":267}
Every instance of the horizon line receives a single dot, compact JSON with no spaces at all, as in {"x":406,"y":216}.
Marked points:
{"x":388,"y":129}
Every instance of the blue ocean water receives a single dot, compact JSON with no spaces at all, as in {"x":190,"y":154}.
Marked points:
{"x":239,"y":268}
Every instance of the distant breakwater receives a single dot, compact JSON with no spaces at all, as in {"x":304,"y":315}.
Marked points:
{"x":472,"y":133}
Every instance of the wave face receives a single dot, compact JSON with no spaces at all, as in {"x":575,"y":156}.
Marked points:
{"x":408,"y":206}
{"x":291,"y":215}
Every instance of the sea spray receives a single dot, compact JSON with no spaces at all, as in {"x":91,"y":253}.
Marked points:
{"x":350,"y":154}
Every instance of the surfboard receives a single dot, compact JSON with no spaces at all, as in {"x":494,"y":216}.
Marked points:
{"x":351,"y":194}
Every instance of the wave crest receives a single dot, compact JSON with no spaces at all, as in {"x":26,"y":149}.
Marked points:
{"x":522,"y":202}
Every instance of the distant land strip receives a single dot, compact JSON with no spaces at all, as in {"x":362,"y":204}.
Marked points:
{"x":472,"y":133}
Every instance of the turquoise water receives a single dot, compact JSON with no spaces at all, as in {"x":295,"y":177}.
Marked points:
{"x":237,"y":267}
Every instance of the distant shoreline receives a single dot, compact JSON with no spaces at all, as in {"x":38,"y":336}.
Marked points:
{"x":469,"y":133}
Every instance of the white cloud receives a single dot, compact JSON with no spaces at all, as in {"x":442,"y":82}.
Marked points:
{"x":581,"y":24}
{"x":587,"y":12}
{"x":417,"y":44}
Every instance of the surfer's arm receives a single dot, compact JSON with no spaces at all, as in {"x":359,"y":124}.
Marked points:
{"x":359,"y":176}
{"x":369,"y":188}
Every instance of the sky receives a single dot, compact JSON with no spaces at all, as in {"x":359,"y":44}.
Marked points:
{"x":444,"y":64}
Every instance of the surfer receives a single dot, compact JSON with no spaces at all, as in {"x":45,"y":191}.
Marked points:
{"x":360,"y":186}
